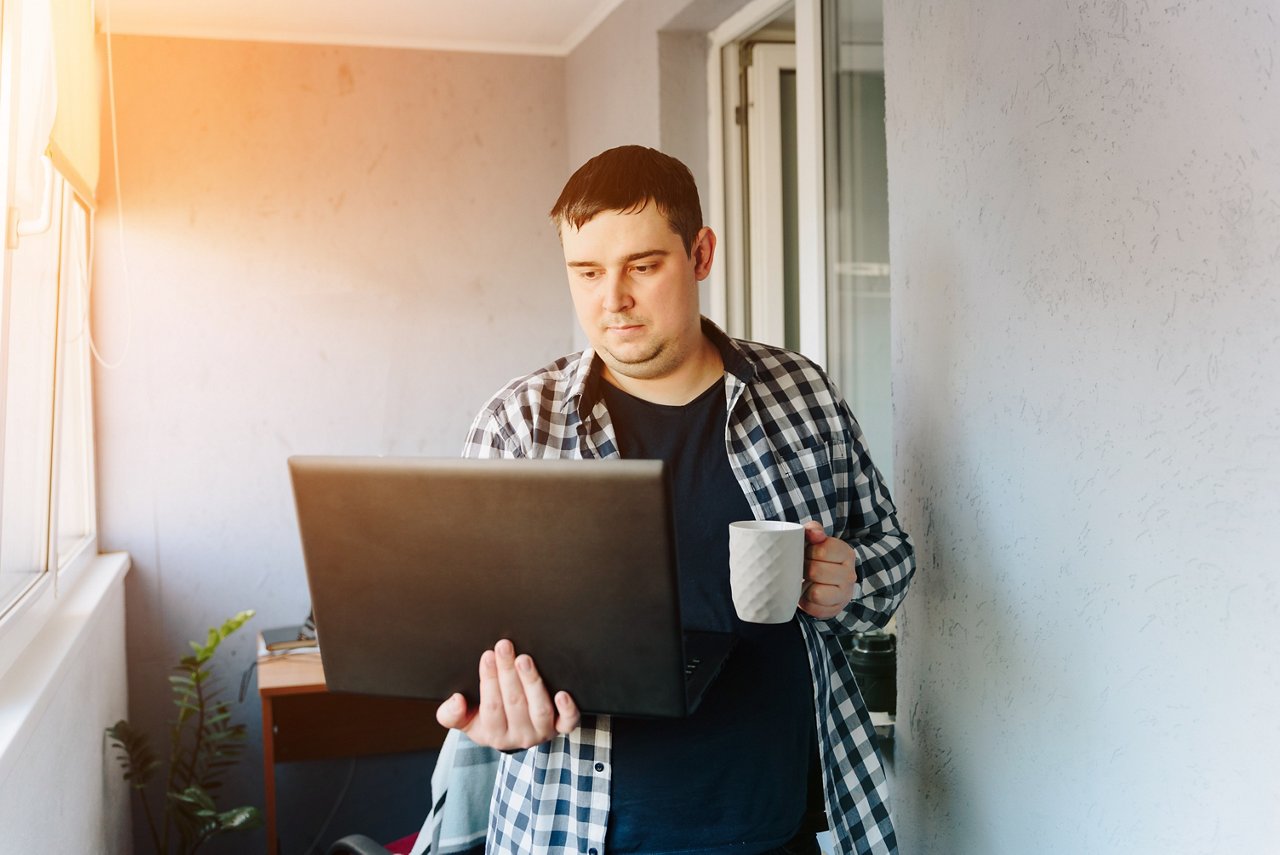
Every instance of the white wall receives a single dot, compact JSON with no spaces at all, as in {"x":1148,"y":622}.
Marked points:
{"x":330,"y":250}
{"x":62,"y":785}
{"x":611,"y":81}
{"x":1085,"y":204}
{"x":640,"y":78}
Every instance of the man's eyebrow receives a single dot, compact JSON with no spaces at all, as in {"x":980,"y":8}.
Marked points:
{"x":635,"y":256}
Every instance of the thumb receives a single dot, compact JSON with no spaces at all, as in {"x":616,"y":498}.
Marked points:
{"x":813,"y":532}
{"x":453,"y":713}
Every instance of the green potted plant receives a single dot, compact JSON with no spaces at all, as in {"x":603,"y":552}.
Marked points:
{"x":203,"y":744}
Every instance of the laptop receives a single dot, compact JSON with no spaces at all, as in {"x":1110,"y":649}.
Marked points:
{"x":417,"y":566}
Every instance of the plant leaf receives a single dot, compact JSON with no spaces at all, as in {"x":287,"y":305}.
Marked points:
{"x":197,"y":798}
{"x":136,"y":755}
{"x":240,"y":819}
{"x":199,"y":755}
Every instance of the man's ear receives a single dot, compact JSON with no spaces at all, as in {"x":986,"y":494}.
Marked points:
{"x":704,"y":252}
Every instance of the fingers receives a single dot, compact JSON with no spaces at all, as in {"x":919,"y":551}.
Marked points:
{"x":542,"y":715}
{"x":569,"y":718}
{"x":813,"y":532}
{"x":826,"y":596}
{"x":823,"y":601}
{"x":825,"y":557}
{"x":832,"y":550}
{"x":516,"y":710}
{"x":830,"y":573}
{"x":842,"y":574}
{"x":830,"y":561}
{"x":826,"y":599}
{"x":493,"y":707}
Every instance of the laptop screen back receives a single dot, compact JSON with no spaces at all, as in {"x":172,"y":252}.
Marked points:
{"x":416,"y":566}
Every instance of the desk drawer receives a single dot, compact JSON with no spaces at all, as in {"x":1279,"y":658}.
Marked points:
{"x":322,"y":725}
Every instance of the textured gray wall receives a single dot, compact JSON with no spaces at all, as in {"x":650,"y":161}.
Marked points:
{"x":1085,"y":203}
{"x":333,"y":250}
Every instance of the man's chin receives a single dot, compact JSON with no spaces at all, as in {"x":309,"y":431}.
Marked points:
{"x":640,"y":366}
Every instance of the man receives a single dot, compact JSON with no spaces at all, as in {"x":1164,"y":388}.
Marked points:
{"x":748,"y":431}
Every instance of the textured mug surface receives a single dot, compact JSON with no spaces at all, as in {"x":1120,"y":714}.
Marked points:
{"x":766,"y":569}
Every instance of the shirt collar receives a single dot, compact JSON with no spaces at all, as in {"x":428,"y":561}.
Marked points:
{"x":585,"y":388}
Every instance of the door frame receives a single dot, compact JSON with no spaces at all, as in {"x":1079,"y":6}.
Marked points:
{"x":765,"y":227}
{"x":728,"y":283}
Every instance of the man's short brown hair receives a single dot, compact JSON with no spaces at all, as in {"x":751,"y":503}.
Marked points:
{"x":626,"y":179}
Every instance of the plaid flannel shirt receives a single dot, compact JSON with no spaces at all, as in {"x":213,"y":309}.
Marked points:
{"x":799,"y":455}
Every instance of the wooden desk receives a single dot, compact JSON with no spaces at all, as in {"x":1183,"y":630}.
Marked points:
{"x":302,"y":720}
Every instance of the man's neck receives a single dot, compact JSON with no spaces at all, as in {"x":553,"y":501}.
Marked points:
{"x":680,"y":387}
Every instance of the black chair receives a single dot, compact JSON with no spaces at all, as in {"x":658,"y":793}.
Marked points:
{"x":357,"y":844}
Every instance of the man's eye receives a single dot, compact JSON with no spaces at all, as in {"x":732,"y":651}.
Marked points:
{"x":644,"y":268}
{"x":589,"y":274}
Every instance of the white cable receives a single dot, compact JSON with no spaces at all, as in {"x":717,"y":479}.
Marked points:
{"x":124,"y":259}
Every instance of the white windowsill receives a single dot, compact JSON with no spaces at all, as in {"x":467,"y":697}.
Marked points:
{"x":28,"y":683}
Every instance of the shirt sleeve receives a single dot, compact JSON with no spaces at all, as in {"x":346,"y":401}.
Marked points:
{"x":488,"y":436}
{"x":885,"y":555}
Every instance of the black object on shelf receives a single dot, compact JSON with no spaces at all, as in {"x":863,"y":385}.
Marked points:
{"x":873,"y":657}
{"x":291,"y":637}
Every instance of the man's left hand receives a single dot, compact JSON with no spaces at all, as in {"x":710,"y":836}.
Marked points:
{"x":830,"y":573}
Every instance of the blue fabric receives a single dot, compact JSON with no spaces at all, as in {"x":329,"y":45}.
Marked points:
{"x":732,"y":777}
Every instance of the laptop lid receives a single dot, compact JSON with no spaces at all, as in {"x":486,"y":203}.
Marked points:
{"x":416,"y":566}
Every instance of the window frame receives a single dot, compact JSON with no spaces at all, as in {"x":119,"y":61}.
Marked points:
{"x":768,"y":315}
{"x":24,"y":617}
{"x":726,"y":164}
{"x":86,"y":546}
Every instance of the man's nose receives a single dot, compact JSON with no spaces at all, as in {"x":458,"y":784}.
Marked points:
{"x":617,"y":294}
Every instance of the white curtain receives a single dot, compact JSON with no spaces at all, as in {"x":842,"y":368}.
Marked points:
{"x":37,"y":101}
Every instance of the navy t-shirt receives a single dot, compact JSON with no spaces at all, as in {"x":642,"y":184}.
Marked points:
{"x":731,"y":777}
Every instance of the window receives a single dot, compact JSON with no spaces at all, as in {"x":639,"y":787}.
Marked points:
{"x":769,"y":149}
{"x":29,"y":334}
{"x":756,"y":290}
{"x":47,"y":516}
{"x":802,"y":192}
{"x":857,"y":205}
{"x":74,"y":520}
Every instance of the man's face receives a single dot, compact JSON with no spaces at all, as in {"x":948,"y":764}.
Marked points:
{"x":635,"y":290}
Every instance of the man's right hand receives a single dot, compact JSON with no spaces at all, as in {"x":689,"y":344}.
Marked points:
{"x":515,"y":709}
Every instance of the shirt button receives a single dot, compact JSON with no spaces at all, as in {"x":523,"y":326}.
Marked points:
{"x":599,"y":768}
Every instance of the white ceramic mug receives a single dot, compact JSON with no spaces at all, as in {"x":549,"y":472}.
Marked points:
{"x":766,"y":569}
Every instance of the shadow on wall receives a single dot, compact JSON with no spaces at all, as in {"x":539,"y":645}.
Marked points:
{"x":925,"y":779}
{"x":985,"y":654}
{"x":939,"y":645}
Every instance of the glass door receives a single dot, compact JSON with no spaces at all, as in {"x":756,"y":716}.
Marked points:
{"x":769,"y":149}
{"x":857,"y":217}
